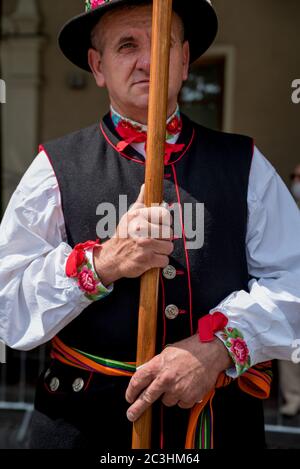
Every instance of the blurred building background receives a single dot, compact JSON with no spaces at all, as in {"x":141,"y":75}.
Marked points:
{"x":243,"y":84}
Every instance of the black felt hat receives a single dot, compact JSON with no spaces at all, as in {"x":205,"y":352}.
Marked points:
{"x":199,"y":18}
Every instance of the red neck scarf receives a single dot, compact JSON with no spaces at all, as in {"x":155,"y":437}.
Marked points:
{"x":132,"y":134}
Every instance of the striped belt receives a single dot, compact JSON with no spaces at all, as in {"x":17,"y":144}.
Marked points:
{"x":256,"y":382}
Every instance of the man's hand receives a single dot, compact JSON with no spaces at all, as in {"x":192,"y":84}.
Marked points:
{"x":182,"y":375}
{"x":143,"y":241}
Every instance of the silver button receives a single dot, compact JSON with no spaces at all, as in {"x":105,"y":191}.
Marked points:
{"x":78,"y":385}
{"x":47,"y":373}
{"x":54,"y":384}
{"x":172,"y":312}
{"x":169,"y":272}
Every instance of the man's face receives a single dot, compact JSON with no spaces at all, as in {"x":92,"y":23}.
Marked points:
{"x":123,"y":63}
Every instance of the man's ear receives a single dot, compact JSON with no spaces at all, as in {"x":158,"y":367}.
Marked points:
{"x":95,"y":63}
{"x":186,"y":60}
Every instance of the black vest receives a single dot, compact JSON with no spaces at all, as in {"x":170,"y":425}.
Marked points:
{"x":213,"y":170}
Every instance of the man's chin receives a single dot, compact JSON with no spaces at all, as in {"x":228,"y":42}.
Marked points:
{"x":142,"y":101}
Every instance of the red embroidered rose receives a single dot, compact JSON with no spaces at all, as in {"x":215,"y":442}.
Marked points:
{"x":87,"y":282}
{"x":97,"y":3}
{"x":125,"y":124}
{"x":126,"y":130}
{"x":175,"y":126}
{"x":240,"y":350}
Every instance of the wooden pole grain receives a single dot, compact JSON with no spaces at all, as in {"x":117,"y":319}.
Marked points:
{"x":157,"y":117}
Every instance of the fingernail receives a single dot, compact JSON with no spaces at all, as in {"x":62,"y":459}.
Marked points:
{"x":130,"y":416}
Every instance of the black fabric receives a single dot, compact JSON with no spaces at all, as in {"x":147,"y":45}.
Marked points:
{"x":212,"y":170}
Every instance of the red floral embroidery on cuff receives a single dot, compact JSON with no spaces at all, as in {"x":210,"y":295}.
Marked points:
{"x":235,"y":343}
{"x":87,"y":282}
{"x":77,"y":257}
{"x":80,"y":269}
{"x":239,"y":350}
{"x":232,"y":338}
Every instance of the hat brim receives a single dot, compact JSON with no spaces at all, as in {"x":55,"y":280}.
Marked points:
{"x":200,"y":20}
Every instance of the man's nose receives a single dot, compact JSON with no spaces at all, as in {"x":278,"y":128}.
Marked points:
{"x":144,"y":61}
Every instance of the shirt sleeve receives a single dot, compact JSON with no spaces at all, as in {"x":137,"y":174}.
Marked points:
{"x":267,"y":317}
{"x":37,"y":298}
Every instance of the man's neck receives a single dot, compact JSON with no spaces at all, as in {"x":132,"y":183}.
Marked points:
{"x":117,"y":117}
{"x":140,"y":117}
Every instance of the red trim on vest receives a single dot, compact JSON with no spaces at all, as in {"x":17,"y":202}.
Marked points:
{"x":162,"y":437}
{"x":186,"y":252}
{"x":252,"y":159}
{"x":144,"y":162}
{"x":42,"y":148}
{"x":185,"y":151}
{"x":163,"y":346}
{"x":253,"y":148}
{"x":89,"y":381}
{"x":163,"y":294}
{"x":118,"y":151}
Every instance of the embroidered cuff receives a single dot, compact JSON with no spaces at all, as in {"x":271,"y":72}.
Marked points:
{"x":234,"y":341}
{"x":215,"y":325}
{"x":80,"y":267}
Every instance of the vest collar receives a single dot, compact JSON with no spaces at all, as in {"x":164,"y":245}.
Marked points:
{"x":173,"y":124}
{"x":110,"y":134}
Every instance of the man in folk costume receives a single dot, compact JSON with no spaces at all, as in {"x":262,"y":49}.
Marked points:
{"x":225,"y":308}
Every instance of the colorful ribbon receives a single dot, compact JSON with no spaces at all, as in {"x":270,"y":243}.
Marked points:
{"x":256,"y":382}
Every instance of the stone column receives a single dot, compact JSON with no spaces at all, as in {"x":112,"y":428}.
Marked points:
{"x":20,"y":58}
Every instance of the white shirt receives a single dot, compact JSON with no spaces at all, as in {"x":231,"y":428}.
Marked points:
{"x":37,"y":299}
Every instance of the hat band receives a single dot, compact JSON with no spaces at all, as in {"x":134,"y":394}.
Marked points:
{"x":93,"y":4}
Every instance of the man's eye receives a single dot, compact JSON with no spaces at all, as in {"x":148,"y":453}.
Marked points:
{"x":127,"y":45}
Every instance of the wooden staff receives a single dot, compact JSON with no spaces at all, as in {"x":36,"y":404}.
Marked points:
{"x":157,"y":117}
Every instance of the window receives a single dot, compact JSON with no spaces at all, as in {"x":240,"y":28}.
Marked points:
{"x":207,"y":95}
{"x":202,"y":96}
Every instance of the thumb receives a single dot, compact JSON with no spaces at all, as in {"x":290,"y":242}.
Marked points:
{"x":139,"y":203}
{"x":141,"y":197}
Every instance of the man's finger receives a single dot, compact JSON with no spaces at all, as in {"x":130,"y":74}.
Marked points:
{"x":186,"y":405}
{"x":144,"y":229}
{"x":170,"y":400}
{"x":140,"y":380}
{"x":156,"y":215}
{"x":145,"y":400}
